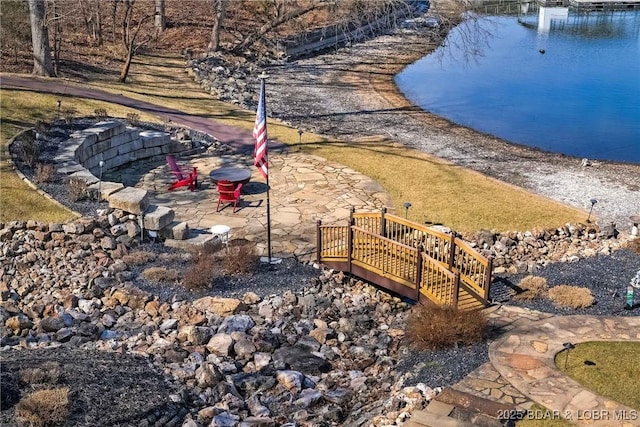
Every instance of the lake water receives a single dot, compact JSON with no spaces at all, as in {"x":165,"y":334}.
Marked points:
{"x":552,"y":79}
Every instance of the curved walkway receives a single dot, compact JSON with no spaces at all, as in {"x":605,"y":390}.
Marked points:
{"x":525,"y":357}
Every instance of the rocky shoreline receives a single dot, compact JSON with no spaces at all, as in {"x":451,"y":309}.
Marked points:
{"x":350,"y":93}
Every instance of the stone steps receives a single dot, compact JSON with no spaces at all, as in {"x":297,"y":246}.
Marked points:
{"x":453,"y":408}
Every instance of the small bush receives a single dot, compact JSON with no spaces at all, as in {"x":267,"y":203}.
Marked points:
{"x":28,"y":149}
{"x":45,"y":172}
{"x":160,"y":274}
{"x":532,"y":287}
{"x":100,"y":113}
{"x":567,"y":296}
{"x":634,"y":245}
{"x":68,"y":114}
{"x":179,"y":257}
{"x":48,"y":373}
{"x":433,"y":328}
{"x":201,"y":272}
{"x":44,"y":407}
{"x":240,"y":259}
{"x":139,"y":258}
{"x":41,"y":126}
{"x":76,"y":189}
{"x":133,"y":119}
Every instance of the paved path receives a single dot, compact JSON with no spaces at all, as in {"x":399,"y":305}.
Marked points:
{"x":238,"y":139}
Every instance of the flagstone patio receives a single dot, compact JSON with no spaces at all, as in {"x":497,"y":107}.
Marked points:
{"x":304,"y":189}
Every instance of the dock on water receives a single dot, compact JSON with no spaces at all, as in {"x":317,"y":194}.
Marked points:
{"x":593,"y":4}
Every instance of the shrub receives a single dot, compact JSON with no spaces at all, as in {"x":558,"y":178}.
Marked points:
{"x":133,"y":119}
{"x":532,"y":287}
{"x":139,"y":257}
{"x":44,"y":407}
{"x":100,"y":113}
{"x":567,"y":296}
{"x":28,"y":149}
{"x":634,"y":245}
{"x":160,"y":274}
{"x":201,"y":272}
{"x":41,"y":126}
{"x":76,"y":189}
{"x":240,"y":259}
{"x":48,"y":373}
{"x":68,"y":114}
{"x":45,"y":172}
{"x":433,"y":327}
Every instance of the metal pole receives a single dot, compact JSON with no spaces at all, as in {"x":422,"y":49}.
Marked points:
{"x":262,"y":78}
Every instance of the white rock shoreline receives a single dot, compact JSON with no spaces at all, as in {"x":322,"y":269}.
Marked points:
{"x":329,"y":95}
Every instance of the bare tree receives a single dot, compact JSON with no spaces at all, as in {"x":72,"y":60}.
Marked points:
{"x":92,"y":16}
{"x":281,"y":12}
{"x":114,"y":13}
{"x":130,"y":36}
{"x":160,"y":21}
{"x":42,"y":65}
{"x":57,"y":36}
{"x":220,"y":9}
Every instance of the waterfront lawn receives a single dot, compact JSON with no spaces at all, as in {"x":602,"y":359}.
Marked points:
{"x":439,"y":192}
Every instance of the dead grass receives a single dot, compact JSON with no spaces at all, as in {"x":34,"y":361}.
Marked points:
{"x":567,"y":296}
{"x":433,"y":328}
{"x":44,"y":172}
{"x":139,"y":258}
{"x":241,"y":259}
{"x":634,"y":245}
{"x":44,"y":407}
{"x":160,"y":274}
{"x":532,"y":287}
{"x":201,"y":272}
{"x":48,"y":373}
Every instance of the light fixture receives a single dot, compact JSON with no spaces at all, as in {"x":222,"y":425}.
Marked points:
{"x":568,"y":347}
{"x":300,"y":132}
{"x":593,"y":202}
{"x":59,"y":102}
{"x":406,"y":205}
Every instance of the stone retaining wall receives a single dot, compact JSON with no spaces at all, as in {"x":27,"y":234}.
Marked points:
{"x":116,"y":145}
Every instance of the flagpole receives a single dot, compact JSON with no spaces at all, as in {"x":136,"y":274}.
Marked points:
{"x":263,"y":76}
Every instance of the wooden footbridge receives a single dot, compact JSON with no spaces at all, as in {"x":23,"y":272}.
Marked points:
{"x":407,"y":258}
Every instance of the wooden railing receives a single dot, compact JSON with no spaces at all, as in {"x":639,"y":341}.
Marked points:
{"x":408,"y":258}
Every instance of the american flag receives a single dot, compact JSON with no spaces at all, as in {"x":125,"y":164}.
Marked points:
{"x":260,"y":135}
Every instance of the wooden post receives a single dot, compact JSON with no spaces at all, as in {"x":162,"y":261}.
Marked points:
{"x":350,"y":244}
{"x":452,"y":249}
{"x":319,"y":241}
{"x":456,"y":290}
{"x":487,"y":278}
{"x":383,"y":223}
{"x":419,"y":272}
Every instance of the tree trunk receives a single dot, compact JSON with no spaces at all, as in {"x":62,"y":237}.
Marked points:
{"x":114,"y":11}
{"x":160,"y":19}
{"x":220,"y":8}
{"x":125,"y":69}
{"x":42,"y":65}
{"x":98,"y":24}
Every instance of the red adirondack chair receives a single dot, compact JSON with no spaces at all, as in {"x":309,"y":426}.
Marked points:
{"x":185,"y":176}
{"x":228,"y":192}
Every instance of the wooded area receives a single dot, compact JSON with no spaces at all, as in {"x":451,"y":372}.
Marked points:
{"x":57,"y":37}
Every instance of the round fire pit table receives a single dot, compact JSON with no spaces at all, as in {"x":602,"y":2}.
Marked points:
{"x":232,"y":174}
